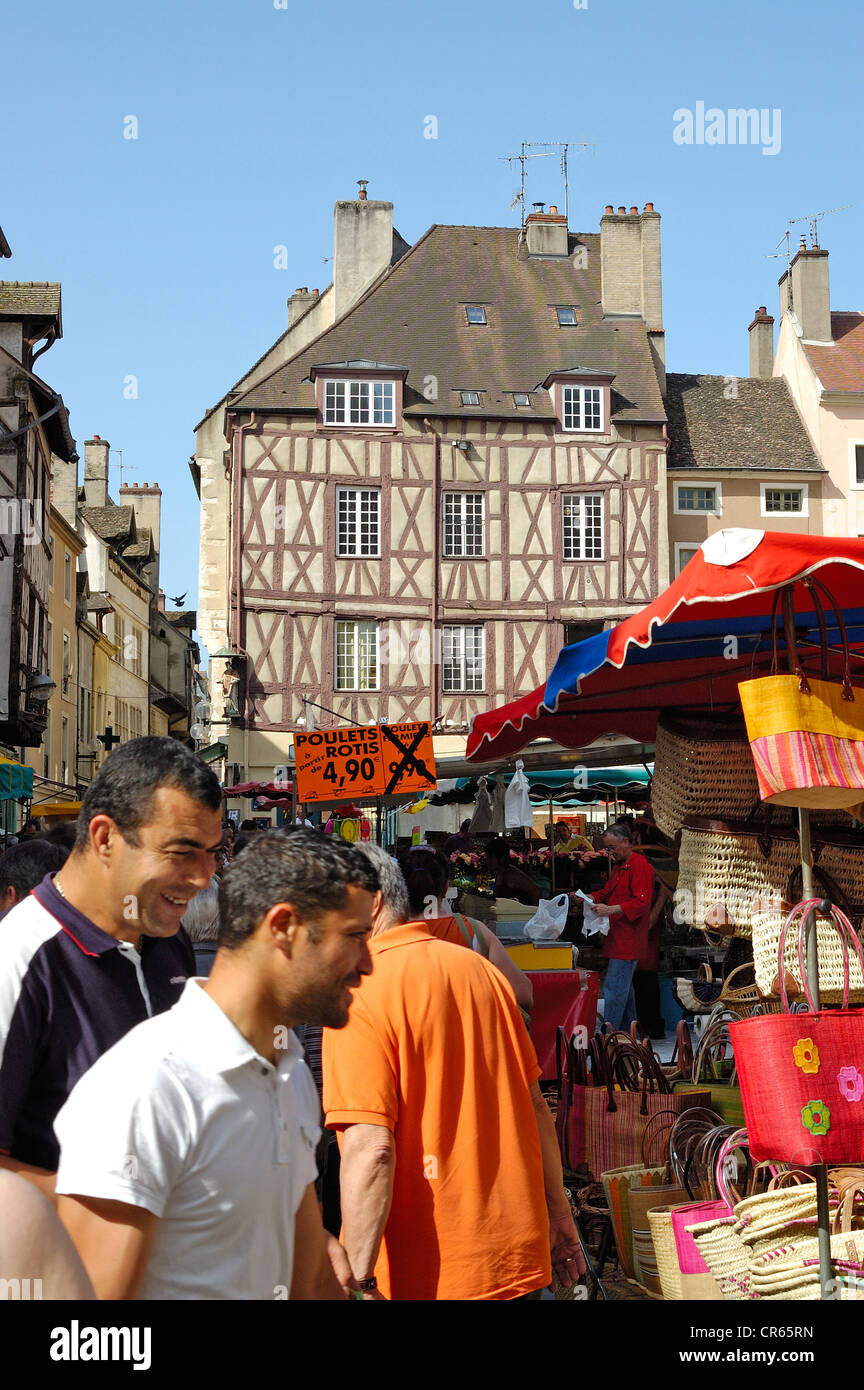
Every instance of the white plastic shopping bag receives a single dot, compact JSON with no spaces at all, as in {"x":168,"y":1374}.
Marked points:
{"x":549,"y":920}
{"x":518,"y":810}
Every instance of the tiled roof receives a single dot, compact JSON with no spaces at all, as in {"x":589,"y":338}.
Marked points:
{"x":111,"y":524}
{"x":182,"y":617}
{"x":840,"y":367}
{"x":141,"y":548}
{"x":754,"y":429}
{"x":415,"y":314}
{"x":29,"y":298}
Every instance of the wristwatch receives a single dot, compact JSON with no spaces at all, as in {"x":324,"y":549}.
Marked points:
{"x":367,"y":1285}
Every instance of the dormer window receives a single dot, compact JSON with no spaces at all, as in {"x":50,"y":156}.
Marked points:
{"x":521,"y":398}
{"x":358,"y":394}
{"x":566,"y":316}
{"x":358,"y":402}
{"x":582,"y":399}
{"x":475,"y":313}
{"x":469,"y":397}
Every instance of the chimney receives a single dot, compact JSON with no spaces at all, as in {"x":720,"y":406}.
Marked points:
{"x":546,"y":232}
{"x":145,"y":500}
{"x":762,"y":344}
{"x":364,"y":245}
{"x":299,"y":302}
{"x":810,"y":293}
{"x":160,"y":600}
{"x":96,"y":452}
{"x":630,"y":265}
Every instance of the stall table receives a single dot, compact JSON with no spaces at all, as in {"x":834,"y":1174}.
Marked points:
{"x":564,"y":997}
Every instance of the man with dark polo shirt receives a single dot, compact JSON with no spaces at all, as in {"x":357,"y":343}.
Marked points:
{"x":98,"y":948}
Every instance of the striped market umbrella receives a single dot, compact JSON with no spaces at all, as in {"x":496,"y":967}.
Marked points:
{"x":689,"y":648}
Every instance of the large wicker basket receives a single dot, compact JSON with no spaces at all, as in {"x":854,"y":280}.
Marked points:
{"x":702,"y":766}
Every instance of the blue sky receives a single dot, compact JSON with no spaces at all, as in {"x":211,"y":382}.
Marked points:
{"x":254,"y":120}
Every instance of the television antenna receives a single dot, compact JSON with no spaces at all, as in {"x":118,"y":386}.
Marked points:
{"x":814,"y":219}
{"x":543,"y":149}
{"x":786,"y":241}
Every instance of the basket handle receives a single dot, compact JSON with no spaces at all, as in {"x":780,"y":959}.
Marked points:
{"x":737,"y":1140}
{"x":798,"y":917}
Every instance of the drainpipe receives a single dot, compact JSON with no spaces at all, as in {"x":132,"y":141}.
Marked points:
{"x":436,"y":566}
{"x":238,"y":434}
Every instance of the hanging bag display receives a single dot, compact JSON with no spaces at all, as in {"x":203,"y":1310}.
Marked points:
{"x":702,"y":766}
{"x":806,"y":734}
{"x":802,"y":1075}
{"x":603,"y":1111}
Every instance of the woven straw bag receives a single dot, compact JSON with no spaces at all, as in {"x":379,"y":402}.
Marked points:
{"x":616,"y":1184}
{"x":775,"y":1217}
{"x":727,"y":1257}
{"x":702,"y":766}
{"x":791,"y":1270}
{"x":666,"y":1253}
{"x":728,"y":871}
{"x":767,"y":927}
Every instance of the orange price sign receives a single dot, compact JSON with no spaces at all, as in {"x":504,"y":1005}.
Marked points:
{"x":408,"y":755}
{"x":338,"y":764}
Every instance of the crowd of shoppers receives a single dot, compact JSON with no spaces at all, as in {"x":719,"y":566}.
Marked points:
{"x":158,"y":986}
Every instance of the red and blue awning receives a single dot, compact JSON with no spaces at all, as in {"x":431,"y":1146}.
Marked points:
{"x":689,"y":648}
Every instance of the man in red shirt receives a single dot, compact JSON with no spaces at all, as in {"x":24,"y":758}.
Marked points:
{"x":626,"y":901}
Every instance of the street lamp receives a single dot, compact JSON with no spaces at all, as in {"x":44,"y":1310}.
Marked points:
{"x":40,"y":688}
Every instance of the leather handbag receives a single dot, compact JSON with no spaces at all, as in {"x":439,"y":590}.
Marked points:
{"x":802,"y":1074}
{"x":806,"y":733}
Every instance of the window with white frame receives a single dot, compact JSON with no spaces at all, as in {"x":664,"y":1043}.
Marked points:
{"x":363,"y":402}
{"x":582,"y":407}
{"x":67,"y":663}
{"x":358,"y":521}
{"x":356,"y":655}
{"x":67,"y":576}
{"x":693,"y":497}
{"x":583,"y":525}
{"x":683,"y":555}
{"x":463,"y":658}
{"x":64,"y":749}
{"x":463,"y":523}
{"x":857,"y":464}
{"x":783,"y":500}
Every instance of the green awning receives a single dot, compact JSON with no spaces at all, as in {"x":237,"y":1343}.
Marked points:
{"x":16,"y":781}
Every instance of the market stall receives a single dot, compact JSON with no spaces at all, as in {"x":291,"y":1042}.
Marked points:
{"x":749,"y":610}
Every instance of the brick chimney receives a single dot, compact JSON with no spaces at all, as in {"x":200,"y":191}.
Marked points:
{"x":145,"y":500}
{"x":298,"y":303}
{"x":762,"y":344}
{"x":364,"y":245}
{"x":805,"y":289}
{"x":96,"y":452}
{"x":546,"y":232}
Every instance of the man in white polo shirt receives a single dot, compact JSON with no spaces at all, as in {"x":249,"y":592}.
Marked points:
{"x":187,"y":1151}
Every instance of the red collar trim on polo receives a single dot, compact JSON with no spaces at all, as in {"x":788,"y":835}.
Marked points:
{"x":89,"y":938}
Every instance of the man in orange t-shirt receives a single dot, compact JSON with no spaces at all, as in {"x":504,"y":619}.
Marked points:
{"x":451,"y":1180}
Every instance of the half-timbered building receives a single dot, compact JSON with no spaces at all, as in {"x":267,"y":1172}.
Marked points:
{"x":464,"y":470}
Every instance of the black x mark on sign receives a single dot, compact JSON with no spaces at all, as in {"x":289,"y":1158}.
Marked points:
{"x":410,"y":762}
